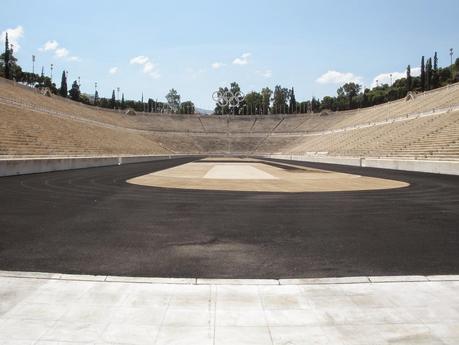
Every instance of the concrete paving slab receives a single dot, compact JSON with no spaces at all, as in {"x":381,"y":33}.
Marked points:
{"x":451,"y":277}
{"x":151,"y":280}
{"x":203,"y":281}
{"x":339,"y":280}
{"x":421,"y":312}
{"x":388,"y":279}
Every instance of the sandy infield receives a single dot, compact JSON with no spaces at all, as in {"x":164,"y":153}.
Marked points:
{"x":252,"y":175}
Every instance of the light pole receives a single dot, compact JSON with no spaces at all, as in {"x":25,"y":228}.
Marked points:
{"x":451,"y":57}
{"x":79,"y":82}
{"x":52,"y":73}
{"x":391,"y":79}
{"x":33,"y":64}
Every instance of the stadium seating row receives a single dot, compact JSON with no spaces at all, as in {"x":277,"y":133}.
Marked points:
{"x":33,"y":124}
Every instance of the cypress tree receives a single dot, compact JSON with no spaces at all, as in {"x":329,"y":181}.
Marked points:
{"x":409,"y":81}
{"x":7,"y":57}
{"x":435,"y":73}
{"x":292,"y":104}
{"x":122,"y":101}
{"x":429,"y":74}
{"x":113,"y":100}
{"x":423,"y":74}
{"x":63,"y":90}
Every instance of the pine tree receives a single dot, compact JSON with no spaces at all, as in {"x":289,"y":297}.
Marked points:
{"x":75,"y":91}
{"x":63,"y":90}
{"x":409,"y":80}
{"x":423,"y":74}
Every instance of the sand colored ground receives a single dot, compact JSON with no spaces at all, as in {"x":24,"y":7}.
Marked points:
{"x":259,"y":176}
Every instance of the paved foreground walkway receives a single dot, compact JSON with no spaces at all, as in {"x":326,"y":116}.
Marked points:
{"x":55,"y":311}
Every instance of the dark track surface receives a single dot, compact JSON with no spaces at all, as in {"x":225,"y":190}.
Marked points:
{"x":91,"y":221}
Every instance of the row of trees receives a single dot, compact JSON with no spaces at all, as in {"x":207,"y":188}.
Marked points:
{"x":267,"y":101}
{"x":10,"y":69}
{"x":349,"y":96}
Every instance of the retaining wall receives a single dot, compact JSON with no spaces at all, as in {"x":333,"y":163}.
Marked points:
{"x":429,"y":166}
{"x":20,"y":166}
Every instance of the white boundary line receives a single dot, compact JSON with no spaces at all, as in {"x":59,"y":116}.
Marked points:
{"x":205,"y":281}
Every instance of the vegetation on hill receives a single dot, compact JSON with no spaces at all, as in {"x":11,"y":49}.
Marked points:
{"x":278,"y":101}
{"x":349,"y":96}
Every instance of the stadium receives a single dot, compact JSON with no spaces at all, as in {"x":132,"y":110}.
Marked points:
{"x":293,"y":227}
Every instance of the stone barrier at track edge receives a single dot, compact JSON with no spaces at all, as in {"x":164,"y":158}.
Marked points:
{"x":21,"y":166}
{"x":428,"y":166}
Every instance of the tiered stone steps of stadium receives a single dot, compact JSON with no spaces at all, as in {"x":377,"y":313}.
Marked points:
{"x":33,"y":124}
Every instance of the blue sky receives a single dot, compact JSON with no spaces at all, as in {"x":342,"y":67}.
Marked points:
{"x":197,"y":46}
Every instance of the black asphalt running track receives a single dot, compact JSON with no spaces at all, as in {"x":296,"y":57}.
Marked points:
{"x":90,"y":221}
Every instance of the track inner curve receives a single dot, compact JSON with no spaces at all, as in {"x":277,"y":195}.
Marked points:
{"x":91,"y":221}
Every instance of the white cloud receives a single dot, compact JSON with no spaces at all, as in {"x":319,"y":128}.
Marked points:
{"x":59,"y":52}
{"x":385,"y":78}
{"x":217,"y":65}
{"x":334,"y":77}
{"x":149,"y":67}
{"x":242,"y":60}
{"x":14,"y":35}
{"x":113,"y":70}
{"x":266,"y":74}
{"x":49,"y":45}
{"x":139,"y":60}
{"x":195,"y":73}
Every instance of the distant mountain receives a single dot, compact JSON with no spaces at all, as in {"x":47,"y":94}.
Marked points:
{"x":203,"y":111}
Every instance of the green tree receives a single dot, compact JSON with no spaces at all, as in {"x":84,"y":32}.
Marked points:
{"x":113,"y":100}
{"x":292,"y":104}
{"x":187,"y":107}
{"x":280,"y":99}
{"x":96,"y":98}
{"x":233,"y":105}
{"x":123,"y":104}
{"x":350,"y":91}
{"x":173,"y":100}
{"x":63,"y":89}
{"x":429,"y":74}
{"x":328,"y":103}
{"x":6,"y":58}
{"x":409,"y":80}
{"x":315,"y":105}
{"x":266,"y":94}
{"x":75,"y":91}
{"x":423,"y":74}
{"x":8,"y":64}
{"x":253,"y":103}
